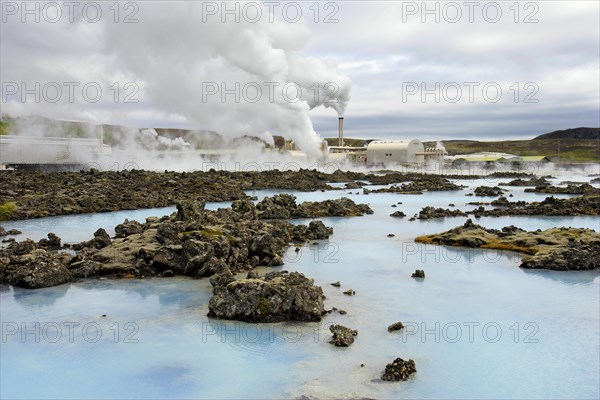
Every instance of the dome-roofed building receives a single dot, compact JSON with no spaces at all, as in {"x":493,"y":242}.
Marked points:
{"x":389,"y":152}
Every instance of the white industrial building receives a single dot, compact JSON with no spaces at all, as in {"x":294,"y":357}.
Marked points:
{"x":390,"y":152}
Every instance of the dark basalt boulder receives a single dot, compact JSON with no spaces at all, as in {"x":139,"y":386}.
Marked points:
{"x":244,"y":207}
{"x":84,"y":268}
{"x":318,"y":231}
{"x":342,"y":336}
{"x":264,"y":245}
{"x":101,"y":240}
{"x":189,"y":210}
{"x":488,"y":191}
{"x":536,"y":182}
{"x":399,"y":370}
{"x":432,"y":212}
{"x":396,"y":326}
{"x":275,"y":297}
{"x":279,"y":206}
{"x":37,"y":269}
{"x":53,"y":242}
{"x":165,"y":258}
{"x":128,"y":228}
{"x":419,"y":273}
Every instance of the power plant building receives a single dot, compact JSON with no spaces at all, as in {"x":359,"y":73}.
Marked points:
{"x":389,"y":152}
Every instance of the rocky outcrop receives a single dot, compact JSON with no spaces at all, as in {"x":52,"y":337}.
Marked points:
{"x":432,"y":212}
{"x":488,"y":191}
{"x":584,"y":188}
{"x":26,"y":265}
{"x":536,"y":182}
{"x":564,"y":249}
{"x":195,"y":242}
{"x":354,"y":185}
{"x":551,"y":206}
{"x":277,"y":296}
{"x":398,"y":214}
{"x":343,"y":207}
{"x":316,"y":231}
{"x":128,"y":228}
{"x":342,"y":336}
{"x":399,"y":370}
{"x":42,"y":194}
{"x":417,"y":185}
{"x":101,"y":239}
{"x":510,"y":175}
{"x":576,"y":256}
{"x":53,"y":242}
{"x":283,"y":206}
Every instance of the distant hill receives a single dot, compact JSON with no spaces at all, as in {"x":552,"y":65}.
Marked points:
{"x":565,"y":150}
{"x":573,"y":133}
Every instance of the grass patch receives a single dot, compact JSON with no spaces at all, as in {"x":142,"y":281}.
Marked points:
{"x":7,"y":210}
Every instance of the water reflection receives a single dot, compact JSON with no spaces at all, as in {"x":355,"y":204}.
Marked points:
{"x":39,"y":298}
{"x":574,"y":278}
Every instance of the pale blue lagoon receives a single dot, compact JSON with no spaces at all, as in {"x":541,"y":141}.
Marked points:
{"x":477,"y":326}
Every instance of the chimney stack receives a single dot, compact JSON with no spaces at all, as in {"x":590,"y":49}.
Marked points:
{"x":341,"y":131}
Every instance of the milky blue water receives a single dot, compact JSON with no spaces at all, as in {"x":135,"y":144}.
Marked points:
{"x":477,"y":326}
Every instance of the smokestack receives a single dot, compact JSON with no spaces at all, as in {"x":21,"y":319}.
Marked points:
{"x":341,"y":131}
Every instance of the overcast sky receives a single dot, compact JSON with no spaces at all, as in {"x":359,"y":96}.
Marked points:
{"x":489,"y":70}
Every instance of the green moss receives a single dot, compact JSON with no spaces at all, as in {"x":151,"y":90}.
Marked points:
{"x":6,"y":210}
{"x":211,"y":232}
{"x":264,"y":307}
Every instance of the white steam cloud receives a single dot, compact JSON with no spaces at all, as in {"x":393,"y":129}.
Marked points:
{"x":234,"y":78}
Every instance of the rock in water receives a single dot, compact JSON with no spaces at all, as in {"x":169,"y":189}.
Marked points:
{"x":432,"y":212}
{"x":399,"y":370}
{"x":318,"y":231}
{"x":395,"y":327}
{"x":488,"y":191}
{"x":40,"y":269}
{"x":342,"y":336}
{"x":419,"y":273}
{"x":562,"y":249}
{"x":275,"y":297}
